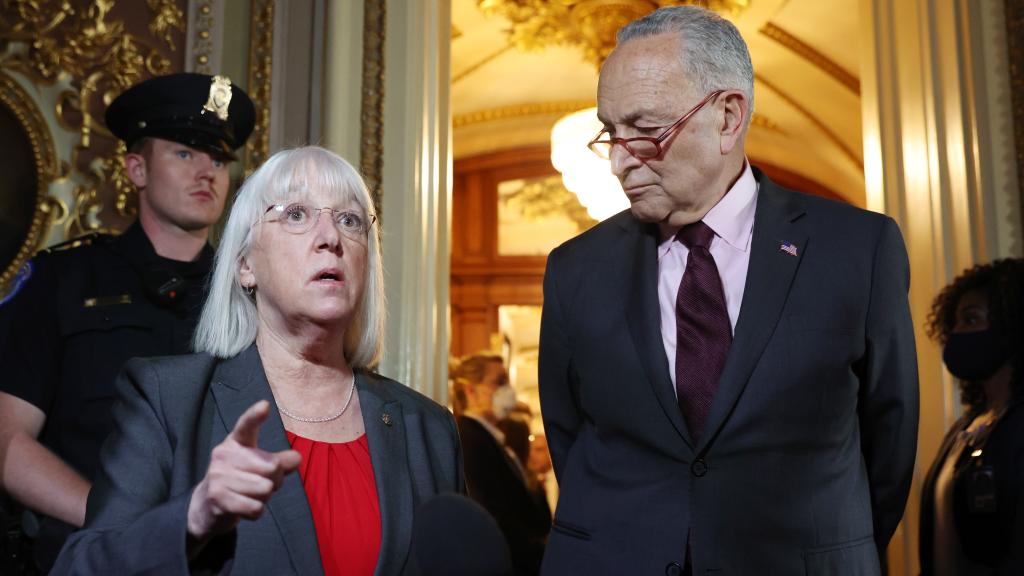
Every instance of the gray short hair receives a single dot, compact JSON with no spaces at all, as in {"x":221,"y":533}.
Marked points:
{"x":714,"y":55}
{"x":229,"y":319}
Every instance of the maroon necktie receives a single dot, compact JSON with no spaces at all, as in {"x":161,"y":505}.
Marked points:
{"x":703,"y":331}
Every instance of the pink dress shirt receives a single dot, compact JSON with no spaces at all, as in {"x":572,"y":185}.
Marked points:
{"x":732,"y":220}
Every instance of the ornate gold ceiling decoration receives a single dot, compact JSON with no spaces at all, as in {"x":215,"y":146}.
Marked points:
{"x":810,"y":54}
{"x":590,"y":24}
{"x":520,"y":110}
{"x":76,"y":49}
{"x":766,"y":123}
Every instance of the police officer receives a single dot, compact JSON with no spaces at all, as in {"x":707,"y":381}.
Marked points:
{"x":84,"y":307}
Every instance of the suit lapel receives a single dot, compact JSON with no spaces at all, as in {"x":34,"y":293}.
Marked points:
{"x":643,"y":315}
{"x":384,"y":422}
{"x":769,"y":277}
{"x":238,"y":383}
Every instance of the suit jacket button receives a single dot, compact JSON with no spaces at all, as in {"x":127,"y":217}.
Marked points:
{"x":699,"y":467}
{"x":673,"y":569}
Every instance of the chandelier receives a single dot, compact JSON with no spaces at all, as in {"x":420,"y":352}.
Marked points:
{"x":592,"y":26}
{"x":589,"y":24}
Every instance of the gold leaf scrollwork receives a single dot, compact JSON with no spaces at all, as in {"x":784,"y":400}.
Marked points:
{"x":166,"y":15}
{"x":49,"y":40}
{"x":589,"y":24}
{"x":260,"y":72}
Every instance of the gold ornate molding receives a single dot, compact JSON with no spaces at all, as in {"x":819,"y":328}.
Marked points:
{"x":202,"y":45}
{"x":807,"y":52}
{"x":561,"y":108}
{"x":77,"y":49}
{"x":590,"y":24}
{"x":371,"y":125}
{"x":766,"y":123}
{"x":166,"y":16}
{"x":15,"y":99}
{"x":521,"y":110}
{"x":261,"y":60}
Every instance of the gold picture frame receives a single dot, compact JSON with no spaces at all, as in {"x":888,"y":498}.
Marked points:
{"x":15,"y":99}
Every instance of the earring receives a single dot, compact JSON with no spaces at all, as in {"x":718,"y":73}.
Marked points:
{"x":250,"y":290}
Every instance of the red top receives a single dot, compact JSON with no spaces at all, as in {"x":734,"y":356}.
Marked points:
{"x":339,"y":483}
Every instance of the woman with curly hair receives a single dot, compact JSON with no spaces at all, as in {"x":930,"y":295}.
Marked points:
{"x":972,"y":503}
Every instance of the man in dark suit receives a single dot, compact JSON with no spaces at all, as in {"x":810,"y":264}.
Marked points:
{"x":727,"y":370}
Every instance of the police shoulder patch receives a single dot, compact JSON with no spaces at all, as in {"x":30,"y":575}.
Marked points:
{"x":24,"y":273}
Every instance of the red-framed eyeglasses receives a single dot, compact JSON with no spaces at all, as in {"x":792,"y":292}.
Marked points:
{"x":644,"y":147}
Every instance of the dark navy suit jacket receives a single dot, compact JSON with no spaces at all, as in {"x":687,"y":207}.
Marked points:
{"x":171,"y":412}
{"x":806,"y":460}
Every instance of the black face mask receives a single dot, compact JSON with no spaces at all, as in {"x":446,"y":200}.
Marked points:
{"x":974,"y":356}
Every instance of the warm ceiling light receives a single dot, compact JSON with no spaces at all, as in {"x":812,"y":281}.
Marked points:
{"x":584,"y":173}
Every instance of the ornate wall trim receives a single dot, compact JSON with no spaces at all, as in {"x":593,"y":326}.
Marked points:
{"x":79,"y":57}
{"x":521,"y":110}
{"x":14,"y":98}
{"x":202,"y":50}
{"x":261,"y":67}
{"x":371,"y":125}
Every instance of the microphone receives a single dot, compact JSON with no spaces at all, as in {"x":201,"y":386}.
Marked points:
{"x":454,"y":536}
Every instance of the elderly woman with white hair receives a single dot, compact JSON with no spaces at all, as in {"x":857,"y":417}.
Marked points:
{"x":197,"y":475}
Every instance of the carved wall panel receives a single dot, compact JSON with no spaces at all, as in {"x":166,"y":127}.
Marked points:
{"x":61,"y":63}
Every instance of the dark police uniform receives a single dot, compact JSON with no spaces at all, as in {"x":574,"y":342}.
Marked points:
{"x":81,"y":309}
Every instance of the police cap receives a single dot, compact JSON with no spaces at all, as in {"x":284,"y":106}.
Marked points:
{"x":204,"y":112}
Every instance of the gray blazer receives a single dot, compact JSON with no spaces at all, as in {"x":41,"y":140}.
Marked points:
{"x":171,"y":412}
{"x":806,"y":458}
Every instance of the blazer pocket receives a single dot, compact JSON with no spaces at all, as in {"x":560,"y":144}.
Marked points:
{"x":854,"y":557}
{"x":570,"y":530}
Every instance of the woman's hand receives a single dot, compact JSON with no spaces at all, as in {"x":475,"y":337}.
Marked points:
{"x":240,"y":480}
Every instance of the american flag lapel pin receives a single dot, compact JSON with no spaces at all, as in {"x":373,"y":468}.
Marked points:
{"x":788,"y":248}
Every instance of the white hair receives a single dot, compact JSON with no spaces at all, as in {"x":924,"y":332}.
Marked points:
{"x":229,"y":319}
{"x":714,"y":55}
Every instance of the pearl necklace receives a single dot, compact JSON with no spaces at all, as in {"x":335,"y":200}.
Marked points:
{"x":322,"y":419}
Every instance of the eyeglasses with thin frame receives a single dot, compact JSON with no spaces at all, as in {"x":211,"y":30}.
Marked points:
{"x":644,"y":147}
{"x":298,"y":218}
